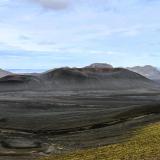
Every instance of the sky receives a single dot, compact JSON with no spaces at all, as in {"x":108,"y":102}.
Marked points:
{"x":44,"y":34}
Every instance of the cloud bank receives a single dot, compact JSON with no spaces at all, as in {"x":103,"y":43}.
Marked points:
{"x":53,"y":4}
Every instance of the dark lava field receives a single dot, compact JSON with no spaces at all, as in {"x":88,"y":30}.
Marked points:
{"x":68,"y":109}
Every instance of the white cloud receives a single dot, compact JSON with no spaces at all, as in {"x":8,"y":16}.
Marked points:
{"x":53,"y":4}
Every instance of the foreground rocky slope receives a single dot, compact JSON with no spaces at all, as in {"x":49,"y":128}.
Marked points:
{"x":34,"y":124}
{"x":143,"y":144}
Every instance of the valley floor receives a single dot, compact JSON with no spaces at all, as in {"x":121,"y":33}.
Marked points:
{"x":36,"y":124}
{"x":143,"y":145}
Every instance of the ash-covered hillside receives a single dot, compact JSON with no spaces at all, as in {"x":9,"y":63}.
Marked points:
{"x":77,"y":79}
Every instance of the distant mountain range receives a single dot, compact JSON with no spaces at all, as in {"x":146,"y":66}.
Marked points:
{"x":77,"y":79}
{"x":27,"y":70}
{"x":4,"y":73}
{"x":148,"y":71}
{"x":97,"y":72}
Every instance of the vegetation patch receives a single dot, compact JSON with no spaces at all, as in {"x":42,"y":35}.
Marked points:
{"x":144,"y":145}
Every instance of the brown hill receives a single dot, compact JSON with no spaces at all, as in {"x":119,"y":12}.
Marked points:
{"x":77,"y":79}
{"x":95,"y":78}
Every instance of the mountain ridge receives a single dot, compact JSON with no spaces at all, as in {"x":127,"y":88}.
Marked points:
{"x":148,"y":71}
{"x":4,"y":73}
{"x":77,"y":79}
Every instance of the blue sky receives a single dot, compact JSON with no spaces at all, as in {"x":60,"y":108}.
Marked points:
{"x":43,"y":34}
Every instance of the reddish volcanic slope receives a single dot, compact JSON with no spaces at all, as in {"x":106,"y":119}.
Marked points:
{"x":77,"y":79}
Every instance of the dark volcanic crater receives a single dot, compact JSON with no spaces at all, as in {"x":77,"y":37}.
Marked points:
{"x":66,"y":109}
